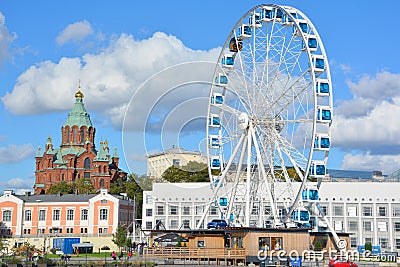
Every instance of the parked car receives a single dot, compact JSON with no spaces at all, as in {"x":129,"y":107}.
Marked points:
{"x":341,"y":263}
{"x":217,"y":223}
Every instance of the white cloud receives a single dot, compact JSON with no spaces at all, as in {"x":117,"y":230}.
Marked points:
{"x":368,"y":123}
{"x":74,"y":32}
{"x":19,"y":185}
{"x":108,"y":79}
{"x":5,"y":39}
{"x":14,"y":153}
{"x":385,"y":163}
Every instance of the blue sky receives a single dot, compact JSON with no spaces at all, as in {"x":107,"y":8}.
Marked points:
{"x":113,"y":47}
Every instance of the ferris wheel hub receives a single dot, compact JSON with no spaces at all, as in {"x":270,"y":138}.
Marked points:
{"x":243,"y":121}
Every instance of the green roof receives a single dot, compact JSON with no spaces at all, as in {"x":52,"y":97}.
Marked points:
{"x":78,"y":115}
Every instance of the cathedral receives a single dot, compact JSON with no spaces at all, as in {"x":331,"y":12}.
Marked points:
{"x":77,"y":156}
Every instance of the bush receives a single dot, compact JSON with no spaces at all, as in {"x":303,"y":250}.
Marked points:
{"x":14,"y":260}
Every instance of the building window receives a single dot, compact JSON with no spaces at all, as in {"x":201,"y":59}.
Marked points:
{"x":175,"y":162}
{"x":325,"y":209}
{"x":396,"y":211}
{"x":70,"y":230}
{"x":367,"y":211}
{"x":28,"y":215}
{"x":382,"y":211}
{"x":353,"y":242}
{"x":353,"y":226}
{"x":199,"y":210}
{"x":56,"y":215}
{"x":100,"y":231}
{"x":84,"y":230}
{"x":27,"y":231}
{"x":337,"y":211}
{"x":173,"y":224}
{"x":70,"y":215}
{"x":62,"y":177}
{"x":42,"y":215}
{"x":384,"y":242}
{"x":367,"y":226}
{"x":105,"y":231}
{"x":397,"y":243}
{"x":7,"y":216}
{"x":186,"y":210}
{"x":103,"y":201}
{"x":173,"y":210}
{"x":82,"y":136}
{"x":149,"y":225}
{"x":86,"y":164}
{"x":267,"y":210}
{"x":254,"y":210}
{"x":103,"y":214}
{"x":149,"y":212}
{"x":213,"y":211}
{"x":160,"y":210}
{"x":86,"y":175}
{"x":84,"y":215}
{"x":101,"y":183}
{"x":186,"y":224}
{"x":382,"y":226}
{"x":149,"y":199}
{"x":352,"y":211}
{"x":201,"y":225}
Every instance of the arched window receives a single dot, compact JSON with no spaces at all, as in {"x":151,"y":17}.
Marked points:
{"x":75,"y":136}
{"x":86,"y":164}
{"x":82,"y":136}
{"x":68,"y":133}
{"x":105,"y":169}
{"x":101,"y":183}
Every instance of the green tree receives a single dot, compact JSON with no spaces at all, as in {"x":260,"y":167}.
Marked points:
{"x":193,"y":172}
{"x":84,"y":186}
{"x":368,"y":247}
{"x":119,"y":237}
{"x":63,"y":187}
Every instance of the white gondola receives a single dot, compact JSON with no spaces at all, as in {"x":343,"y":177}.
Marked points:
{"x":287,"y":19}
{"x":301,"y":215}
{"x":304,"y":28}
{"x":311,"y":43}
{"x":221,"y":80}
{"x":213,"y":141}
{"x":227,"y":61}
{"x":215,"y":163}
{"x":244,"y":31}
{"x":255,"y":20}
{"x":223,"y":201}
{"x":317,"y":169}
{"x":324,"y":114}
{"x":310,"y":194}
{"x":217,"y":99}
{"x":322,"y":87}
{"x":214,"y":121}
{"x":267,"y":14}
{"x":278,"y":15}
{"x":322,"y":142}
{"x":318,"y":63}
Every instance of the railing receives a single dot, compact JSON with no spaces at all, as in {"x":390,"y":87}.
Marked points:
{"x":194,"y":253}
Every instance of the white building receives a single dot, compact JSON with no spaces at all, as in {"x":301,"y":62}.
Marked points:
{"x":175,"y":156}
{"x":370,"y":211}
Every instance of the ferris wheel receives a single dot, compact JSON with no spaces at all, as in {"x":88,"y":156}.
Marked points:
{"x":269,"y":119}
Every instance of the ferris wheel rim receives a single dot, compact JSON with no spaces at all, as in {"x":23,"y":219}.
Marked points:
{"x":313,"y":82}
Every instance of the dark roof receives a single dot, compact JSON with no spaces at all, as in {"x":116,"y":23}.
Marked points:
{"x":59,"y":197}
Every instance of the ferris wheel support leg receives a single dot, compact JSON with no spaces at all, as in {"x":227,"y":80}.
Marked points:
{"x":340,"y":243}
{"x":221,"y":179}
{"x":237,"y":177}
{"x":277,"y":222}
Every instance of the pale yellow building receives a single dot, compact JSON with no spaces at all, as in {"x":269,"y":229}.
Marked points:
{"x":175,"y":156}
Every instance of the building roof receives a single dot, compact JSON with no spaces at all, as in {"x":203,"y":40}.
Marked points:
{"x":78,"y":115}
{"x":174,"y":150}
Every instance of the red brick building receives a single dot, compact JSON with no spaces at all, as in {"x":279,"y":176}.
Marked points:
{"x":77,"y":156}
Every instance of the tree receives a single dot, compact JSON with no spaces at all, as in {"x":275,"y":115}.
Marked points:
{"x":119,"y":237}
{"x":192,"y":172}
{"x":84,"y":186}
{"x":63,"y":187}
